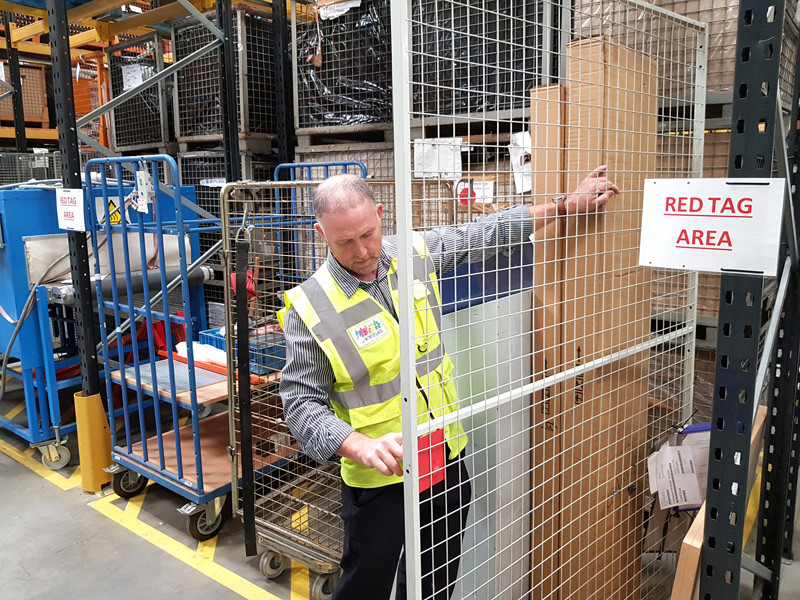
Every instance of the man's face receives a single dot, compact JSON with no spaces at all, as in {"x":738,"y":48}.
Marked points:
{"x":354,"y":237}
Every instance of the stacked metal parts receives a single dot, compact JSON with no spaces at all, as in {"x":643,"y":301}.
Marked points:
{"x":198,"y":117}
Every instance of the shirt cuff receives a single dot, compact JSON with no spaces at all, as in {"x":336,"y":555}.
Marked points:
{"x":332,"y":436}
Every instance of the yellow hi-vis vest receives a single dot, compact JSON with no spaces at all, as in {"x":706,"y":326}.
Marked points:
{"x":361,"y":339}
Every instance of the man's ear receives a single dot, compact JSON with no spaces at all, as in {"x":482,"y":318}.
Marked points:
{"x":379,"y":208}
{"x":318,"y":229}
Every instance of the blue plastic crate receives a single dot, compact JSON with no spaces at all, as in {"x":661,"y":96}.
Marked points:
{"x":267,"y":352}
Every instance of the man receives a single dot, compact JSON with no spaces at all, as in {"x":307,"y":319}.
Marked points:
{"x":341,"y":383}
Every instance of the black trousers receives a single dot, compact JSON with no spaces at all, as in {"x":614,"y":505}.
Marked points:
{"x":374,"y":535}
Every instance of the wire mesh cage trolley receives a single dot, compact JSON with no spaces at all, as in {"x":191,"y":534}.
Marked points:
{"x":296,"y":500}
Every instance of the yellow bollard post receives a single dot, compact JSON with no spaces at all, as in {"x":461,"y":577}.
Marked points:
{"x":94,"y":441}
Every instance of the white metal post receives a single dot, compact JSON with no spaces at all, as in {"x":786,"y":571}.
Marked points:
{"x":401,"y":88}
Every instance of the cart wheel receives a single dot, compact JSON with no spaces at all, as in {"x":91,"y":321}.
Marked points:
{"x":203,"y":411}
{"x":127,"y":483}
{"x":272,"y":564}
{"x":322,"y":588}
{"x":201,"y":530}
{"x":60,"y":462}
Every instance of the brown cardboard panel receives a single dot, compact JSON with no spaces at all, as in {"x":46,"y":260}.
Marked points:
{"x":547,"y":139}
{"x":612,"y":120}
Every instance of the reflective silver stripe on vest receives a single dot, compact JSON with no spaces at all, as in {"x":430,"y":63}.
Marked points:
{"x":369,"y":394}
{"x":332,"y":320}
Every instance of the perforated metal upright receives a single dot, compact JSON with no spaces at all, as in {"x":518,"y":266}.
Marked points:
{"x":757,"y":143}
{"x":70,"y":172}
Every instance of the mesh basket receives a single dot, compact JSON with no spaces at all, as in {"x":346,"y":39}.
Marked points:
{"x":197,"y":86}
{"x":206,"y":171}
{"x":477,"y":56}
{"x":353,"y":84}
{"x":142,"y":121}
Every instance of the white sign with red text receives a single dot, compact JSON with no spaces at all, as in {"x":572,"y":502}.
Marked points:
{"x":69,"y":204}
{"x":712,"y":224}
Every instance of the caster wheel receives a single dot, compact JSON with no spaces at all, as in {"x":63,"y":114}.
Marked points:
{"x":322,"y":588}
{"x":204,"y":411}
{"x":272,"y":564}
{"x":59,"y":463}
{"x":201,"y":529}
{"x":127,"y":484}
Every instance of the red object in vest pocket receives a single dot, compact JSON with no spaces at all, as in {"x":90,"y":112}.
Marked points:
{"x":431,"y":459}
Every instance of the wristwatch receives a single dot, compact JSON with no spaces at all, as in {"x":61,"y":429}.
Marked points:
{"x":558,"y":199}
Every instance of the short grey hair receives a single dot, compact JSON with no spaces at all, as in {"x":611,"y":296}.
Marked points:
{"x":340,"y":193}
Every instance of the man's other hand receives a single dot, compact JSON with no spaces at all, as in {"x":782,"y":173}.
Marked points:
{"x":592,"y":193}
{"x":383,"y":453}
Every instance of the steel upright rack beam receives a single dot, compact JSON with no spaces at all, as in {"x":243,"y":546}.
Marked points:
{"x":756,"y":141}
{"x":227,"y":82}
{"x":283,"y":82}
{"x":70,"y":173}
{"x":16,"y":83}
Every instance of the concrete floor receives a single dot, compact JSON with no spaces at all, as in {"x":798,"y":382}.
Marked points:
{"x":61,"y":543}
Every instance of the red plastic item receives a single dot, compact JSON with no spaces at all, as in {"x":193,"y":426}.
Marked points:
{"x":431,"y":459}
{"x":251,"y":290}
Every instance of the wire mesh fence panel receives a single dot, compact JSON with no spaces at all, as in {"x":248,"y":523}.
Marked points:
{"x":343,"y":65}
{"x":197,"y":91}
{"x":568,"y":362}
{"x":144,"y":120}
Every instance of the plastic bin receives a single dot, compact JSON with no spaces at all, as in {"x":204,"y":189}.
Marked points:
{"x":267,"y":351}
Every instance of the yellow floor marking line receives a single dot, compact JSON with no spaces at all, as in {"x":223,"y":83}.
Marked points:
{"x":15,"y":411}
{"x":76,"y":476}
{"x":208,"y":548}
{"x":25,"y":458}
{"x":134,"y":505}
{"x":189,"y":557}
{"x":300,"y":582}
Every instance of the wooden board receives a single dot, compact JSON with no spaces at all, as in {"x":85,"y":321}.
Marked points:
{"x":214,"y":441}
{"x":686,"y":585}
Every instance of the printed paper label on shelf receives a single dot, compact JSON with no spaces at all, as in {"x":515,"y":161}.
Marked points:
{"x":712,"y":224}
{"x":482,"y":191}
{"x":520,"y":151}
{"x":673,"y":474}
{"x":133,"y":75}
{"x":438,"y":159}
{"x":216,"y":182}
{"x":333,"y":11}
{"x":69,"y":205}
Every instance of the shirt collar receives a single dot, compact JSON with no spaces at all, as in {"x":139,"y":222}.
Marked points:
{"x":348,"y":282}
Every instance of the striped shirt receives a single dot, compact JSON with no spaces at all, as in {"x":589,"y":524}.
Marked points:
{"x":307,"y":379}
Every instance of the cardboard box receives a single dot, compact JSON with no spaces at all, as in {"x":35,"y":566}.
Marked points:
{"x":547,"y":179}
{"x":611,"y":120}
{"x":34,"y":94}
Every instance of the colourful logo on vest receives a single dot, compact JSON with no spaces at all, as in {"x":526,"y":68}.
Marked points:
{"x":369,"y":331}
